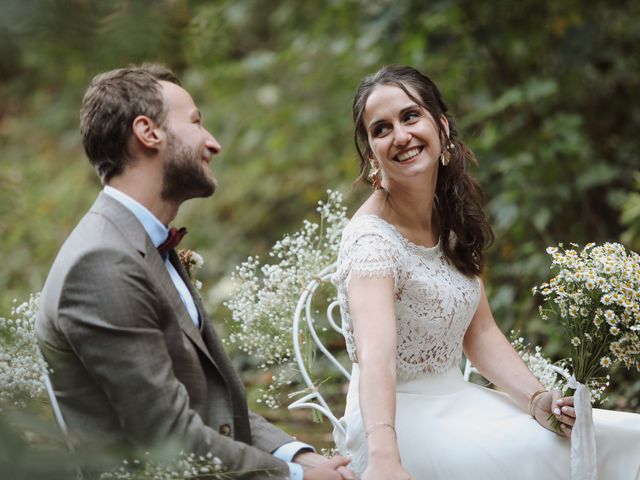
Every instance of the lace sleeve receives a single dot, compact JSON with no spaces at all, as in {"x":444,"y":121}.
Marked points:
{"x":368,"y":255}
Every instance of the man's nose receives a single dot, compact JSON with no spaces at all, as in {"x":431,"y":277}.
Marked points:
{"x":212,"y":144}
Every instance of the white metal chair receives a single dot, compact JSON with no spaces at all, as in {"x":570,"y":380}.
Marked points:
{"x":57,"y":413}
{"x":303,"y":317}
{"x":314,"y":400}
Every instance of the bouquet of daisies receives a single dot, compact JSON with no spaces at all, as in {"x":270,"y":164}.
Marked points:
{"x":595,"y":296}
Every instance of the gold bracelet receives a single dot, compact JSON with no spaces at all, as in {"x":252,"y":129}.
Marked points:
{"x":533,"y":397}
{"x":380,"y":424}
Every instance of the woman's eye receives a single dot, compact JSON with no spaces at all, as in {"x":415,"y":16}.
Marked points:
{"x":411,"y":116}
{"x":379,"y":130}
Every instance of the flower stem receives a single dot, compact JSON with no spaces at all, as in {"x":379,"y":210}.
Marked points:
{"x":553,"y":421}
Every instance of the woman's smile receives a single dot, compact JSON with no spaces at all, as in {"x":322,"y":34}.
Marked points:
{"x":408,"y":155}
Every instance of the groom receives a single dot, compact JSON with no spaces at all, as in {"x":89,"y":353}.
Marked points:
{"x":135,"y":359}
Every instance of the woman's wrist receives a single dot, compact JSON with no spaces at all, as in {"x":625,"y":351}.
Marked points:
{"x":383,"y":446}
{"x":379,"y":425}
{"x":384,"y":454}
{"x":534,"y":399}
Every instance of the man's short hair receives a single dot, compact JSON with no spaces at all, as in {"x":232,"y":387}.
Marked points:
{"x":110,"y":104}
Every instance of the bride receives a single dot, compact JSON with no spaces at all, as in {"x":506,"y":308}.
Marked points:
{"x":412,"y":300}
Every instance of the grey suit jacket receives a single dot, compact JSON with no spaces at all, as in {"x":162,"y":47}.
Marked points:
{"x":129,"y":365}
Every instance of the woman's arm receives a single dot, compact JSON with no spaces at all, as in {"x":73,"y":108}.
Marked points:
{"x":371,"y":305}
{"x":496,"y":359}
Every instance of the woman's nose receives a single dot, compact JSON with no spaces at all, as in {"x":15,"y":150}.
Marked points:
{"x":401,"y":136}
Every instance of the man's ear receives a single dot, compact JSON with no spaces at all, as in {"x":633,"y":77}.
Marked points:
{"x":147,"y":132}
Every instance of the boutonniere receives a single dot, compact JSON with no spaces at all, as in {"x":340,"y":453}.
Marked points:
{"x":191,"y":261}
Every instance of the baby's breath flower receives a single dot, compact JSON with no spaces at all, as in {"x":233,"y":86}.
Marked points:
{"x":21,"y":363}
{"x":266,"y":296}
{"x":539,"y":365}
{"x":184,"y":467}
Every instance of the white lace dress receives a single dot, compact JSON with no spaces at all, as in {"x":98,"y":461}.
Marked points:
{"x":447,"y":428}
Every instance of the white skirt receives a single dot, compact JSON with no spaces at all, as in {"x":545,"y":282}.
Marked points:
{"x":451,"y":429}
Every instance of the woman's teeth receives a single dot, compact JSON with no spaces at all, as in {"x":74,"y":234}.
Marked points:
{"x":408,"y":154}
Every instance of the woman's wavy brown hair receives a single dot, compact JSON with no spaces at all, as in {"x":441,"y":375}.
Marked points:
{"x":459,"y":198}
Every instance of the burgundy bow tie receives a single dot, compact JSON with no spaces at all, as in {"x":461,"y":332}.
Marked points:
{"x":172,"y":241}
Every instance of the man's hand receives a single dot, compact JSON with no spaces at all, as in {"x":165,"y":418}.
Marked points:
{"x":317,"y":467}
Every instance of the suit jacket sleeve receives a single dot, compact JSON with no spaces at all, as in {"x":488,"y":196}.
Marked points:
{"x":115,"y":328}
{"x":265,"y":435}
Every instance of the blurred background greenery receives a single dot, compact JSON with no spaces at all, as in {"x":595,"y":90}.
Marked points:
{"x":546,"y":92}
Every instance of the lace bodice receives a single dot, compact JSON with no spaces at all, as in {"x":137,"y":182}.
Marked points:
{"x":434,"y":302}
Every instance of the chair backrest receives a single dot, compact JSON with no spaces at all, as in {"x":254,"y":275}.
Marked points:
{"x":304,"y":318}
{"x":55,"y":407}
{"x":57,"y":413}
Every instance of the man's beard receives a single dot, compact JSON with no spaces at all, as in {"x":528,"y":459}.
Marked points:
{"x":184,"y":176}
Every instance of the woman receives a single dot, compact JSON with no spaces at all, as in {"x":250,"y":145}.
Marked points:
{"x":412,"y":300}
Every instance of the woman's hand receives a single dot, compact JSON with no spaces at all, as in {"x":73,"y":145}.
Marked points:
{"x":313,"y":463}
{"x":320,"y":468}
{"x":385,"y":470}
{"x":551,"y":402}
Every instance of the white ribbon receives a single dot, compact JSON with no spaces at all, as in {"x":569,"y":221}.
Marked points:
{"x":583,"y":438}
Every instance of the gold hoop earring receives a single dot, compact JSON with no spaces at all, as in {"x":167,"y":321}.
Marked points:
{"x":445,"y":155}
{"x":375,"y":177}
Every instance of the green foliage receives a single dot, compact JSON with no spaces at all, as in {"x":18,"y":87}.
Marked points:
{"x":631,"y":216}
{"x":546,"y":93}
{"x":20,"y":461}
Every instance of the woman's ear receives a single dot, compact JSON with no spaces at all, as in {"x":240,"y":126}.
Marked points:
{"x":146,"y":131}
{"x":445,"y":124}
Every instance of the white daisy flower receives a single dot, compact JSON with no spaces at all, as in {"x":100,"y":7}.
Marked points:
{"x":605,"y":362}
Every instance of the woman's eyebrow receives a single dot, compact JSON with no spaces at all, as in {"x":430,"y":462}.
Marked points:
{"x":376,"y":121}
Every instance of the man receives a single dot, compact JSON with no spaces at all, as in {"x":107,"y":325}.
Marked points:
{"x":135,"y":359}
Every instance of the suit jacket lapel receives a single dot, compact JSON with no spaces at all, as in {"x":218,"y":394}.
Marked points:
{"x":177,"y":264}
{"x":211,"y":339}
{"x":208,"y":333}
{"x":160,"y":272}
{"x":208,"y":336}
